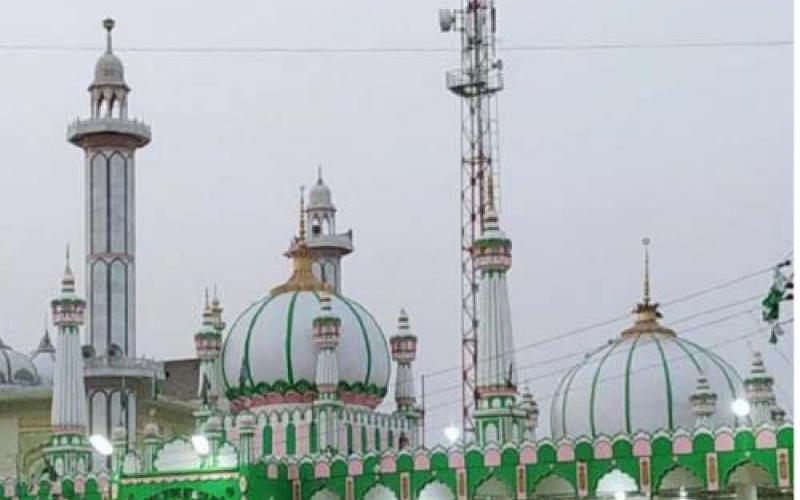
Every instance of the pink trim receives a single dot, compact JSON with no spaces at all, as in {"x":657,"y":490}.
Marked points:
{"x":272,"y":471}
{"x":491,"y":458}
{"x":682,"y":445}
{"x":303,"y":444}
{"x":292,"y":471}
{"x":528,"y":455}
{"x":278,"y":440}
{"x":388,"y":464}
{"x":421,"y":462}
{"x":642,"y":448}
{"x":566,"y":453}
{"x":455,"y":460}
{"x":602,"y":449}
{"x":766,"y":439}
{"x":322,"y":470}
{"x":723,"y":441}
{"x":355,"y":467}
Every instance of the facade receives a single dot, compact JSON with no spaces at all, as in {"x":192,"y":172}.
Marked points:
{"x":287,"y":400}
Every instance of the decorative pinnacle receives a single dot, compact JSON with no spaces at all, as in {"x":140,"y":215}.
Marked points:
{"x":302,"y":234}
{"x":646,"y":243}
{"x":108,"y":24}
{"x":319,"y":174}
{"x":68,"y":281}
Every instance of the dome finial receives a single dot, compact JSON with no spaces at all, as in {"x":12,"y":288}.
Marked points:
{"x":108,"y":24}
{"x":646,"y":244}
{"x":319,"y":174}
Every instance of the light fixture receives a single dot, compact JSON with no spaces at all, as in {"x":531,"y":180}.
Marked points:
{"x":619,"y":495}
{"x":452,"y":433}
{"x":446,"y":19}
{"x":740,"y":407}
{"x":200,"y":444}
{"x":101,"y":445}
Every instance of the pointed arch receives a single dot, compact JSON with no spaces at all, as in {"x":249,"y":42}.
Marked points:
{"x":324,"y":494}
{"x":748,"y":472}
{"x":436,"y":490}
{"x":677,"y":478}
{"x":615,"y":481}
{"x":553,"y":485}
{"x":380,"y":492}
{"x":492,"y":488}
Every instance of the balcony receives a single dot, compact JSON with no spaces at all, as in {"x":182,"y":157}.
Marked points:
{"x":135,"y":129}
{"x":470,"y":84}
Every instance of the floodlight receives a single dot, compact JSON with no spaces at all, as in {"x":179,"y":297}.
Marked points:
{"x":200,"y":444}
{"x":101,"y":445}
{"x":452,"y":433}
{"x":740,"y":407}
{"x":619,"y":495}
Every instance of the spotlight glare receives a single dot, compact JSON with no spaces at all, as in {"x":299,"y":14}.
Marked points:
{"x":452,"y":433}
{"x":740,"y":407}
{"x":101,"y":445}
{"x":200,"y":444}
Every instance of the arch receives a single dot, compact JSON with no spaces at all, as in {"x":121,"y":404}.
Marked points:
{"x":179,"y":492}
{"x":492,"y":488}
{"x":748,"y":473}
{"x":553,"y":485}
{"x":325,"y":494}
{"x":676,"y":479}
{"x":436,"y":490}
{"x":380,"y":492}
{"x":615,"y":481}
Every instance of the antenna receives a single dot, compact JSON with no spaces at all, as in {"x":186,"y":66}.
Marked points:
{"x":477,"y":83}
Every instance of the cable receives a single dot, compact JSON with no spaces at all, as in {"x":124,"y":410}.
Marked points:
{"x":8,"y":46}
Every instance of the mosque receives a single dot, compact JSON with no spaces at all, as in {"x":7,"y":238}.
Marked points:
{"x":287,"y":401}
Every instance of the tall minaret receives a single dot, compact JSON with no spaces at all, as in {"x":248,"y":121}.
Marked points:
{"x":109,"y":139}
{"x":68,"y":451}
{"x":404,"y":352}
{"x":208,"y":344}
{"x":326,"y":245}
{"x":497,"y":417}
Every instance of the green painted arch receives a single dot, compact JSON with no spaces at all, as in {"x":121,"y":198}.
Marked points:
{"x":785,"y":437}
{"x":447,"y":482}
{"x":405,"y":463}
{"x":584,"y":451}
{"x":662,"y":446}
{"x":621,"y":448}
{"x":440,"y":461}
{"x":768,"y":468}
{"x":497,"y":475}
{"x":546,"y":453}
{"x":509,"y":457}
{"x":744,"y":440}
{"x":376,"y":483}
{"x":657,"y":480}
{"x":338,"y":467}
{"x":534,"y":483}
{"x":703,"y":443}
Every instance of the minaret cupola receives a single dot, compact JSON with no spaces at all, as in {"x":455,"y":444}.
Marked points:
{"x":703,"y":402}
{"x":759,"y":389}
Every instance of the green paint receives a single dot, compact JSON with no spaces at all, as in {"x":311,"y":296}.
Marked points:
{"x":289,"y":324}
{"x":667,"y":378}
{"x":383,"y":339}
{"x":363,"y":334}
{"x":291,"y":438}
{"x":628,"y":385}
{"x":266,"y":440}
{"x":594,"y":385}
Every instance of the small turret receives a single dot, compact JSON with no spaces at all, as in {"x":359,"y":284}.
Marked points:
{"x":208,"y":345}
{"x":531,"y":409}
{"x":704,"y":402}
{"x":327,"y":330}
{"x":404,"y":352}
{"x":759,"y":388}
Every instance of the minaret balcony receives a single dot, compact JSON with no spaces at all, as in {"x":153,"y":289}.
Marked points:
{"x":342,"y":242}
{"x":135,"y":129}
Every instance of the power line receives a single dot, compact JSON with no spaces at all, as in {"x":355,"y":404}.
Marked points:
{"x":582,"y":329}
{"x":53,"y":47}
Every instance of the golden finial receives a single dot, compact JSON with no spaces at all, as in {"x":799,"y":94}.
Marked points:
{"x":646,"y":243}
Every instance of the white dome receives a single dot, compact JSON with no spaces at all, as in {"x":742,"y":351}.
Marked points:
{"x":16,"y":368}
{"x":641,"y":381}
{"x":320,"y":195}
{"x":269,"y":350}
{"x":109,"y":71}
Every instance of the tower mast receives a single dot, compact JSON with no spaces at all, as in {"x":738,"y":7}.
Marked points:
{"x":477,"y":82}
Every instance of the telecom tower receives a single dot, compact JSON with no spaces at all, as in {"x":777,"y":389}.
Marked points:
{"x":477,"y":82}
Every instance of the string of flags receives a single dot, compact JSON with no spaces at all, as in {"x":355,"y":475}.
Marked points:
{"x":781,"y":290}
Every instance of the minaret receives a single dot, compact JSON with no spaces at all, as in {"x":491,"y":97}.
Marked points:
{"x":703,"y":402}
{"x":109,"y":139}
{"x":68,"y":452}
{"x":326,"y":245}
{"x":44,"y":357}
{"x":404,"y":352}
{"x":497,"y":417}
{"x":759,"y":388}
{"x":327,"y":331}
{"x":208,"y":345}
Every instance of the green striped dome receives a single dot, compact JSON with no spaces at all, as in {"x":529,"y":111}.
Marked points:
{"x":641,"y":381}
{"x":269,"y":348}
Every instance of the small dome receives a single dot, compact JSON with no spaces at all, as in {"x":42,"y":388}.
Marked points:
{"x":641,"y":381}
{"x":44,"y":359}
{"x":320,"y":195}
{"x":269,"y":349}
{"x":16,"y":368}
{"x":108,"y":71}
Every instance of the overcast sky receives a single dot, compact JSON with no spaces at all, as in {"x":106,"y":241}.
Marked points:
{"x":689,"y":146}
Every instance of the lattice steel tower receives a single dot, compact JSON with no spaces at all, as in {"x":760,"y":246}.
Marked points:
{"x":477,"y":82}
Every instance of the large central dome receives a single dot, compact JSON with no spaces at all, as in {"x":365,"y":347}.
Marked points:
{"x":269,"y":354}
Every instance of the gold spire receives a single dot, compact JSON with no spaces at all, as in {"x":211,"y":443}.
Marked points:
{"x":302,"y":278}
{"x":647,"y":313}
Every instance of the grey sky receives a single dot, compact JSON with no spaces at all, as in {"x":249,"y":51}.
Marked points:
{"x":690,"y":146}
